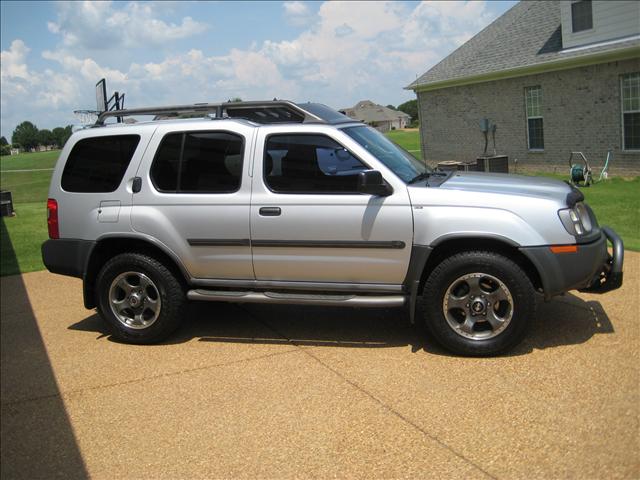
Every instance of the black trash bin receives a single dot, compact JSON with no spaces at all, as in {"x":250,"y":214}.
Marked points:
{"x":6,"y":204}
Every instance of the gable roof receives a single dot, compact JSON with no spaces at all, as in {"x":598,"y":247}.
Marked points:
{"x":526,"y":38}
{"x":367,"y":111}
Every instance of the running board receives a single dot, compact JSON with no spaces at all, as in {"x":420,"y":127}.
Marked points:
{"x":297,"y":298}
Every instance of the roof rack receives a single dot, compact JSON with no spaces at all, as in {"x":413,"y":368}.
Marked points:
{"x":273,"y":111}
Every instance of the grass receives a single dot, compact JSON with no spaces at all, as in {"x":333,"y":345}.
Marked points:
{"x":616,"y":204}
{"x":21,"y":238}
{"x":25,"y":161}
{"x":407,"y":139}
{"x":614,"y":201}
{"x":22,"y":235}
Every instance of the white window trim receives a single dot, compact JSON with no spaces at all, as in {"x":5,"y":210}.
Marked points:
{"x":622,"y":112}
{"x":526,"y":113}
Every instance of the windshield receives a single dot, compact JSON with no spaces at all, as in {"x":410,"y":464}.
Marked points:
{"x":395,"y":158}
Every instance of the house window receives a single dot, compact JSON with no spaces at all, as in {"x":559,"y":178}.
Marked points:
{"x":630,"y":86}
{"x":535,"y":133}
{"x":581,"y":16}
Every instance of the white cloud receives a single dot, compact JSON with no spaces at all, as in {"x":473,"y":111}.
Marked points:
{"x":350,"y":51}
{"x":13,"y":61}
{"x":87,"y":68}
{"x":107,"y":25}
{"x":297,"y":13}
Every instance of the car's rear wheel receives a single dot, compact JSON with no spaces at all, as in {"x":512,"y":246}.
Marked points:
{"x":139,"y":298}
{"x":478,"y":303}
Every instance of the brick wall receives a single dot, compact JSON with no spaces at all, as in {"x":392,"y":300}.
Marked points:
{"x":581,"y":111}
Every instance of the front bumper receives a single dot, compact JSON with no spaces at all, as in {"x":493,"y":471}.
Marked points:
{"x":610,"y":276}
{"x":590,"y":269}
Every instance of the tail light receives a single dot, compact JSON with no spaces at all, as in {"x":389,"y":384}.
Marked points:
{"x":52,"y":218}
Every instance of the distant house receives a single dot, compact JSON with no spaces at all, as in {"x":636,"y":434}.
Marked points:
{"x":378,"y":116}
{"x":554,"y":77}
{"x":43,"y":148}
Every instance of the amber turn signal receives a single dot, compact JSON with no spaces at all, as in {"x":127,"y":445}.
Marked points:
{"x":564,"y":248}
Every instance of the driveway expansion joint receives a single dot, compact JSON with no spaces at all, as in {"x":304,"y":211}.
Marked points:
{"x":365,"y":392}
{"x":71,"y":393}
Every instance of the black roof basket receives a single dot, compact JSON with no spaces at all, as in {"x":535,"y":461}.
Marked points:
{"x":267,"y":112}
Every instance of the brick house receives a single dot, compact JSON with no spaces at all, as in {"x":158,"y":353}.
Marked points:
{"x":553,"y":76}
{"x":378,"y":116}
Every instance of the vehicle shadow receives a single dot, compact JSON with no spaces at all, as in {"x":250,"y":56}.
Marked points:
{"x":37,"y":438}
{"x":566,"y":320}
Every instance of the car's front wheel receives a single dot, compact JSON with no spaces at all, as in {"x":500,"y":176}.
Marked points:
{"x":139,"y":298}
{"x":478,"y":303}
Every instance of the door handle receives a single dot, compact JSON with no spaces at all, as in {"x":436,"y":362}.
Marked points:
{"x":136,"y":186}
{"x":270,"y":211}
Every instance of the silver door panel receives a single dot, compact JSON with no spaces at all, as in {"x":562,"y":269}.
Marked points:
{"x":378,"y":225}
{"x":208,"y":232}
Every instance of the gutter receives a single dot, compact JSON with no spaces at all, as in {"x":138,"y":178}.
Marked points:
{"x":550,"y":66}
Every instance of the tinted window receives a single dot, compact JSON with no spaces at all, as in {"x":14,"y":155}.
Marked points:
{"x":98,"y":164}
{"x":395,"y":158}
{"x":164,"y":170}
{"x":310,"y":164}
{"x":198,"y":162}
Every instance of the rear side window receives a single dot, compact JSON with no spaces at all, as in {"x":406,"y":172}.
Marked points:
{"x":98,"y":164}
{"x":198,"y":162}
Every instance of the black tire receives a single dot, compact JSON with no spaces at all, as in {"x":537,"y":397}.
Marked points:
{"x":164,"y":285}
{"x":520,"y":295}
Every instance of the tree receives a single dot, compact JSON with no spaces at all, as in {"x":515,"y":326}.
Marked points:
{"x":391,"y":107}
{"x":61,"y":135}
{"x":410,"y":108}
{"x":45,"y":137}
{"x":3,"y":141}
{"x":26,"y":134}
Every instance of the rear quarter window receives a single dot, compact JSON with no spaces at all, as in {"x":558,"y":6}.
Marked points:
{"x":98,"y":164}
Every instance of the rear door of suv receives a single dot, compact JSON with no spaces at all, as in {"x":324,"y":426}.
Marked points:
{"x":194,"y":196}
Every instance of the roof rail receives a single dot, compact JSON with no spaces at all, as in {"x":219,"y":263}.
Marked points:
{"x":273,"y":111}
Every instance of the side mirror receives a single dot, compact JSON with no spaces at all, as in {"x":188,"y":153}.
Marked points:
{"x":371,"y":182}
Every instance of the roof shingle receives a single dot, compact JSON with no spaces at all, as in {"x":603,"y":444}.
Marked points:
{"x":526,"y":35}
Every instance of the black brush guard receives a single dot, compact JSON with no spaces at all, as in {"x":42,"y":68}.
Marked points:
{"x":610,"y":277}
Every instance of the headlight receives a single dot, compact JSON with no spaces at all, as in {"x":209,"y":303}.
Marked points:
{"x":577,"y":220}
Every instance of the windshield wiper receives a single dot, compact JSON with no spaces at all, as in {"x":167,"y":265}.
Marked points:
{"x":420,"y":176}
{"x":427,"y":175}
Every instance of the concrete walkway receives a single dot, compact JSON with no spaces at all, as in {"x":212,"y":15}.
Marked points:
{"x":282,"y":392}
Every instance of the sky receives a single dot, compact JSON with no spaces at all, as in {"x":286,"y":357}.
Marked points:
{"x":162,"y":53}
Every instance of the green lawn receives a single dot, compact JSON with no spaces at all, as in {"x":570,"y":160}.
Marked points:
{"x":21,"y":237}
{"x":407,"y":139}
{"x":615,"y":202}
{"x":29,"y":160}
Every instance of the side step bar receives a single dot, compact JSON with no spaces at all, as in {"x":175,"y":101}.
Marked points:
{"x":298,"y":298}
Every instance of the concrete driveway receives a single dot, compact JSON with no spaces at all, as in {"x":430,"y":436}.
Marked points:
{"x":281,"y":392}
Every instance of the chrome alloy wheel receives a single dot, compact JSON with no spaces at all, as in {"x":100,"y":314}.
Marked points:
{"x":134,"y":300}
{"x":478,"y":306}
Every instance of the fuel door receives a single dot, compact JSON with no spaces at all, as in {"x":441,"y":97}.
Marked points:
{"x":109,"y":211}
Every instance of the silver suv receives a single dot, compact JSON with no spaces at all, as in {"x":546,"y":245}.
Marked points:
{"x":276,"y":202}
